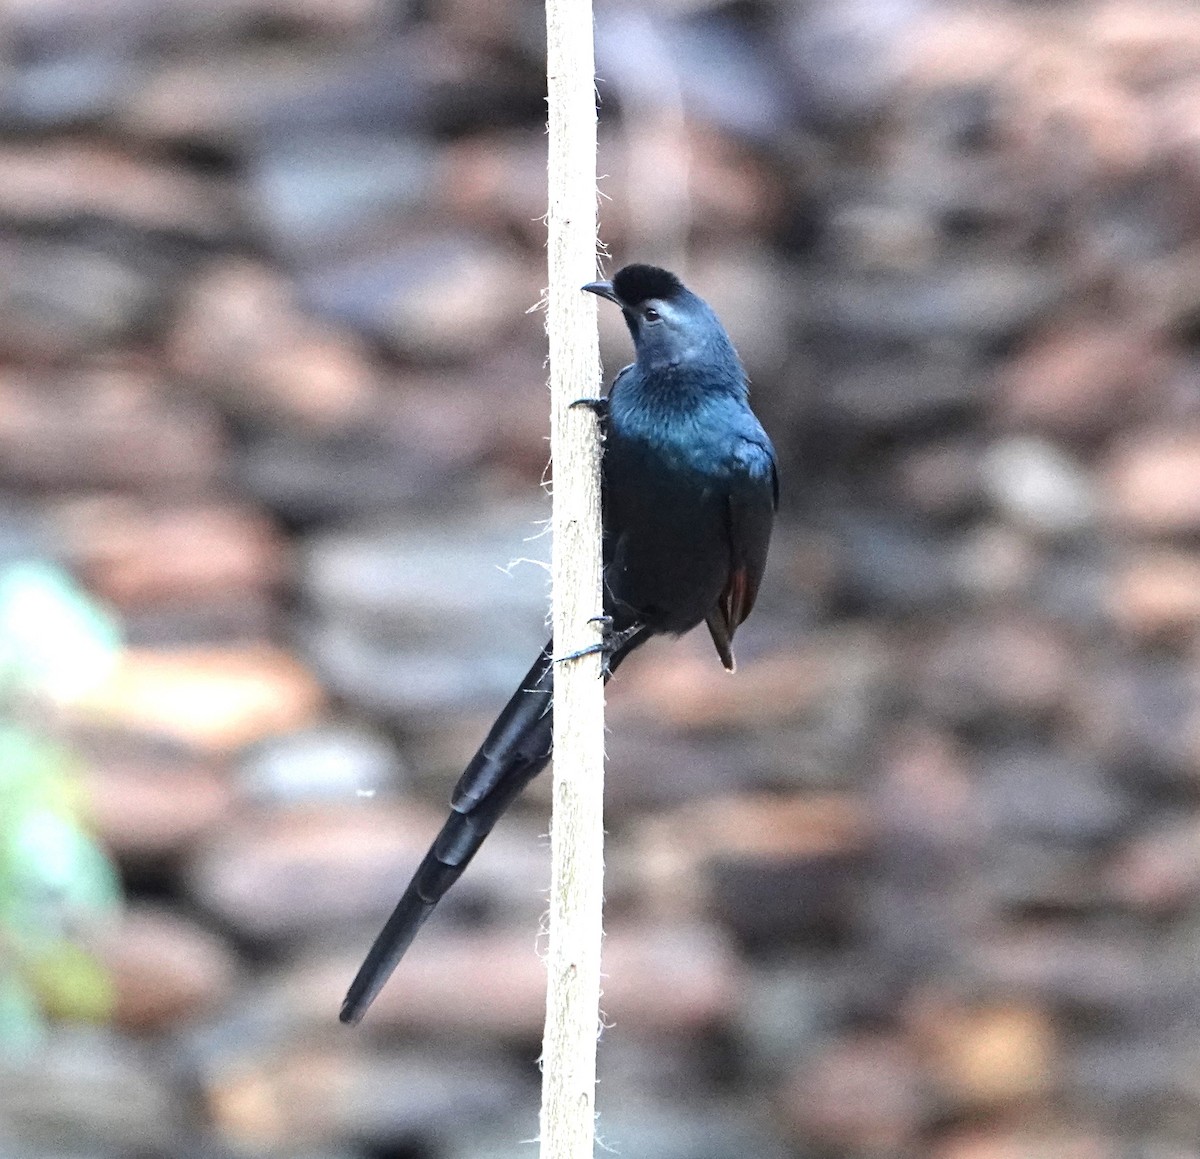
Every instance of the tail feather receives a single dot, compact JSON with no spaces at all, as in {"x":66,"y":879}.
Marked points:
{"x":520,"y":737}
{"x":516,"y":749}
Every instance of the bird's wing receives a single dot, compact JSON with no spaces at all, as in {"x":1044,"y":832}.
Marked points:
{"x":750,"y":510}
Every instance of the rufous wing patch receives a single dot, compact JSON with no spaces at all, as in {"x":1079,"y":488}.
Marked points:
{"x":722,"y":638}
{"x":732,"y":608}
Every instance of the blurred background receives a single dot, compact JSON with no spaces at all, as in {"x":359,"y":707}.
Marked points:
{"x":922,"y":880}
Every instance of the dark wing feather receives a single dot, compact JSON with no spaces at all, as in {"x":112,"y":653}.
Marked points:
{"x":753,"y":499}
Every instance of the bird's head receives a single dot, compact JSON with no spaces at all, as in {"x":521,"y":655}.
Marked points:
{"x":669,"y":323}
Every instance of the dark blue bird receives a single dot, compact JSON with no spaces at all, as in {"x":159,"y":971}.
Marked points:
{"x":690,"y":491}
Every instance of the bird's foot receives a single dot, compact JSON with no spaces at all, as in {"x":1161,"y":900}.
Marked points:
{"x":609,"y":642}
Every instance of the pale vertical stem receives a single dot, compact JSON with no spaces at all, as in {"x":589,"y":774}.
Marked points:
{"x":577,"y":824}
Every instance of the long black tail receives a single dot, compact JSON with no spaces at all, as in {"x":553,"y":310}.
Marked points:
{"x":516,"y":749}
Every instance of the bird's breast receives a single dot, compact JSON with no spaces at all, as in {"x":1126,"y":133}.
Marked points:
{"x":693,"y":446}
{"x":666,"y":502}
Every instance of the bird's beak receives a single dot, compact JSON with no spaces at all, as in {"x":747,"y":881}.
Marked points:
{"x":603,"y":290}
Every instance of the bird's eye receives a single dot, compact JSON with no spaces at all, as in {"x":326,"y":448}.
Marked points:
{"x":651,"y":314}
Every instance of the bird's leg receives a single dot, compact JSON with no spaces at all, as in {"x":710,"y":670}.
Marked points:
{"x":608,"y":643}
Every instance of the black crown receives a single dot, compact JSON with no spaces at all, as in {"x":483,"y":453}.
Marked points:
{"x":635,"y":284}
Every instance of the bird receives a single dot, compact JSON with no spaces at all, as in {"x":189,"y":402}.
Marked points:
{"x":689,"y":491}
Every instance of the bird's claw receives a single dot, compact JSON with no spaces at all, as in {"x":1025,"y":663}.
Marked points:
{"x":596,"y":405}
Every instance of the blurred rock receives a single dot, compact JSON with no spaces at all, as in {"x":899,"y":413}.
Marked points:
{"x":1163,"y":291}
{"x":652,"y":767}
{"x":213,"y":700}
{"x":143,"y":808}
{"x":861,"y":1093}
{"x":1107,"y":125}
{"x":312,"y":193}
{"x":1019,"y":1143}
{"x":1147,"y":44}
{"x":164,"y":969}
{"x":496,"y":181}
{"x":60,"y":184}
{"x":893,"y":566}
{"x":1153,"y":483}
{"x":494,"y":412}
{"x":687,"y":690}
{"x":1070,"y":584}
{"x":59,"y":300}
{"x":1159,"y":870}
{"x":879,"y":385}
{"x":233,"y":622}
{"x":989,"y":670}
{"x":737,"y":284}
{"x":435,"y":297}
{"x":879,"y":237}
{"x":103,"y":428}
{"x":695,"y":973}
{"x":1036,"y":485}
{"x":86,"y":1089}
{"x":928,"y":832}
{"x":421,"y":685}
{"x":175,"y":22}
{"x":987,"y":1055}
{"x":1155,"y":596}
{"x":949,"y":301}
{"x":281,"y":874}
{"x":1083,"y":380}
{"x":846,"y":56}
{"x":134,"y":553}
{"x":72,"y":84}
{"x":1028,"y":875}
{"x":786,"y":1008}
{"x":279,"y":88}
{"x":329,"y":763}
{"x":653,"y":66}
{"x":407,"y":613}
{"x":942,"y":480}
{"x":767,"y":867}
{"x":425,"y":444}
{"x":318,"y":478}
{"x":318,"y":1093}
{"x":752,"y":98}
{"x":23,"y":535}
{"x":1066,"y":968}
{"x":1135,"y":1075}
{"x":924,"y":806}
{"x":655,"y":1069}
{"x":1145,"y":710}
{"x":402,"y":80}
{"x":242,"y":338}
{"x":1053,"y":797}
